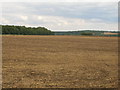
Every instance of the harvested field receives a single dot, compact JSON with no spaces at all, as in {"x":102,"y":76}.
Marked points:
{"x":59,"y":62}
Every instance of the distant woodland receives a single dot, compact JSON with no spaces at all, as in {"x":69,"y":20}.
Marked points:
{"x":22,"y":30}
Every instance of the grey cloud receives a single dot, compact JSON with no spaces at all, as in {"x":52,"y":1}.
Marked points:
{"x":55,"y":14}
{"x":106,"y":12}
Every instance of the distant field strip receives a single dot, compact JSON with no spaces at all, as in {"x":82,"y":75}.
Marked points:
{"x":59,"y":61}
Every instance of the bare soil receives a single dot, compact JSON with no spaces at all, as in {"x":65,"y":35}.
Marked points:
{"x":59,"y":62}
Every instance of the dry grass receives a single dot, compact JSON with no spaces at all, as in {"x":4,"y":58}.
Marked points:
{"x":59,"y":61}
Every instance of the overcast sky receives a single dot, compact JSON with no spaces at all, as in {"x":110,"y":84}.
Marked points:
{"x":62,"y":15}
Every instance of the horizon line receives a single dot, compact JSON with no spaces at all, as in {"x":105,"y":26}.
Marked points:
{"x":65,"y":30}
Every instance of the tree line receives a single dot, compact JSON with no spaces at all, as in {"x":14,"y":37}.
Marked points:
{"x":22,"y":30}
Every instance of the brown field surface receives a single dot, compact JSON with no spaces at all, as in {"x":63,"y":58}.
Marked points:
{"x":59,"y":62}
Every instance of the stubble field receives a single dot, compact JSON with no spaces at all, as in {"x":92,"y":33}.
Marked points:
{"x":59,"y":62}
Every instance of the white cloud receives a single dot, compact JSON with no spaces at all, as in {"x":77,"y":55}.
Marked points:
{"x":62,"y":23}
{"x":24,"y":18}
{"x":40,"y":17}
{"x":62,"y":16}
{"x":5,"y":21}
{"x":59,"y":0}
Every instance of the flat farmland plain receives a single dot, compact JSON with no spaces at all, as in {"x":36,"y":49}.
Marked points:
{"x":59,"y":61}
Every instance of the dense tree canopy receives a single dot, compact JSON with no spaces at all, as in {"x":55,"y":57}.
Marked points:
{"x":22,"y":30}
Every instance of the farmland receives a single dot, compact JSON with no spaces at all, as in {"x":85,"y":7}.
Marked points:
{"x":59,"y":61}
